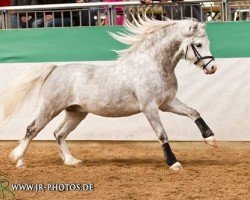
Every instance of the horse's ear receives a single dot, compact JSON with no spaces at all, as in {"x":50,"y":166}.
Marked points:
{"x":203,"y":25}
{"x":193,"y":28}
{"x":195,"y":25}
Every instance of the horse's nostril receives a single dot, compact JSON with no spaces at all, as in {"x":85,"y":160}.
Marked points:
{"x":213,"y":68}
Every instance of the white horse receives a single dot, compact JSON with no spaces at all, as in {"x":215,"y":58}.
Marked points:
{"x":141,"y":80}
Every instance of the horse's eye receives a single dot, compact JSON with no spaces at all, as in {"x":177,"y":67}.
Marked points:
{"x":198,"y":45}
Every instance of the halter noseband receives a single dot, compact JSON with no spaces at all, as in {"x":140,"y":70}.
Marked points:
{"x":199,"y":58}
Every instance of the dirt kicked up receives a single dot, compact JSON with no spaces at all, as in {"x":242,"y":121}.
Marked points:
{"x":132,"y":170}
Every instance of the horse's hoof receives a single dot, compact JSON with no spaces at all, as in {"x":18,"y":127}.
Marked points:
{"x":210,"y":141}
{"x":176,"y":166}
{"x":73,"y":161}
{"x":13,"y":157}
{"x":61,"y":156}
{"x":20,"y":164}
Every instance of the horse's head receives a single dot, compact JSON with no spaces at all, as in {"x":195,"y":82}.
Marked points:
{"x":196,"y":47}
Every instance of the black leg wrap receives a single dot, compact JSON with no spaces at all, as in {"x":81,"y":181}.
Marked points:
{"x":205,"y":130}
{"x":169,"y":156}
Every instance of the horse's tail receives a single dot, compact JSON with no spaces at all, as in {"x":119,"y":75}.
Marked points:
{"x":18,"y":91}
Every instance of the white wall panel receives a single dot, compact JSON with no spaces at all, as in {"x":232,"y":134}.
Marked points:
{"x":223,"y":99}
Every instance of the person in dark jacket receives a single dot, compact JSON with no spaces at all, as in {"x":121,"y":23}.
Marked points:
{"x":54,"y":18}
{"x":21,"y":20}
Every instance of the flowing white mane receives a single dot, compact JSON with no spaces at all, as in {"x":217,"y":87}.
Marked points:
{"x":136,"y":33}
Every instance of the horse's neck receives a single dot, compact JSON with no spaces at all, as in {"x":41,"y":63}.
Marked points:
{"x":168,"y":54}
{"x":164,"y":52}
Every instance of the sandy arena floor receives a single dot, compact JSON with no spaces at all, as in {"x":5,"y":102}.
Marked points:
{"x":135,"y":170}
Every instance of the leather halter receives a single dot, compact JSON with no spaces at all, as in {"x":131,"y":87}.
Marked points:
{"x":199,"y":58}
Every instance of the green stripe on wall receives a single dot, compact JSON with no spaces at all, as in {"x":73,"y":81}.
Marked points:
{"x":58,"y":44}
{"x":95,"y":44}
{"x":229,"y":39}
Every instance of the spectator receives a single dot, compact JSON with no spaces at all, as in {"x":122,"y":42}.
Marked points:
{"x":2,"y":4}
{"x":55,"y":18}
{"x":196,"y":11}
{"x":87,"y":17}
{"x":186,"y":11}
{"x":120,"y":15}
{"x":22,"y":20}
{"x":174,"y":11}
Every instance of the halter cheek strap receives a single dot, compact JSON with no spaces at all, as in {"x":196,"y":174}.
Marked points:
{"x":198,"y":56}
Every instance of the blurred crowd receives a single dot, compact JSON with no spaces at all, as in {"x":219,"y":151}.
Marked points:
{"x":83,"y":17}
{"x":58,"y":18}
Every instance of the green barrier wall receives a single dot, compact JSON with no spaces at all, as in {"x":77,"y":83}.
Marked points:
{"x":228,"y":40}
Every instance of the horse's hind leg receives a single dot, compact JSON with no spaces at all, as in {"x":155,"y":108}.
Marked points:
{"x":177,"y":107}
{"x":71,"y":121}
{"x":44,"y":117}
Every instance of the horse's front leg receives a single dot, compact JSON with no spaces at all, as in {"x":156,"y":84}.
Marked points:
{"x":152,"y":114}
{"x":177,"y":107}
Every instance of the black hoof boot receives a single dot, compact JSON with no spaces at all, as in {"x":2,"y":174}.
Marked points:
{"x":205,"y":130}
{"x":169,"y":155}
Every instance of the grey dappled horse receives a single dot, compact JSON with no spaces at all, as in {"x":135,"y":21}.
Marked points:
{"x":141,"y":80}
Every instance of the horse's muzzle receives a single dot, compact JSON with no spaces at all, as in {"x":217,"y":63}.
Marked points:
{"x":212,"y":70}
